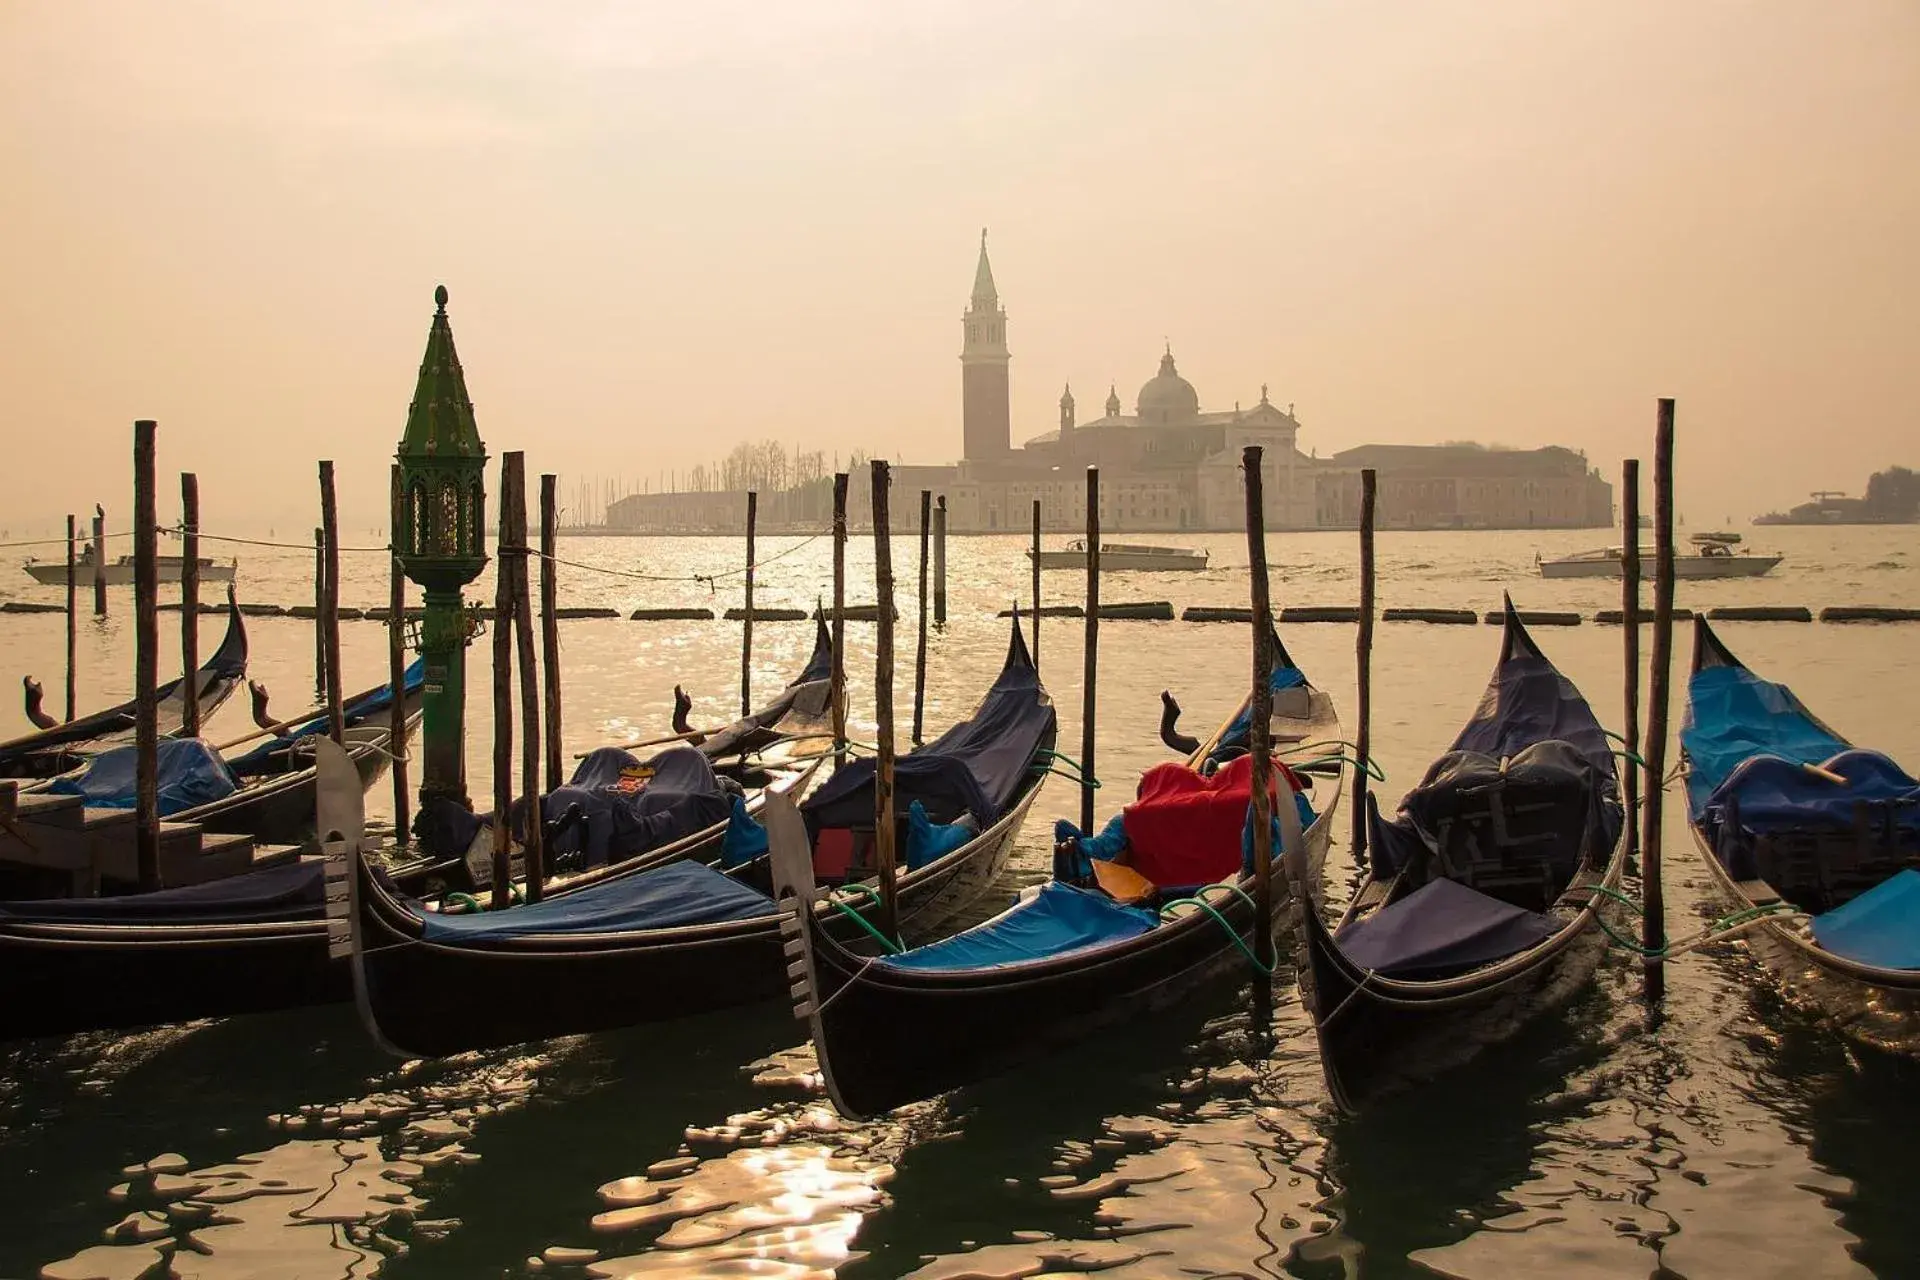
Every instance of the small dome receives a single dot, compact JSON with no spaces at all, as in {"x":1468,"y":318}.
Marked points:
{"x":1167,"y":399}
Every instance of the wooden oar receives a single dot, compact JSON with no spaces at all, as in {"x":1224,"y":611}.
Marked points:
{"x":1819,"y":772}
{"x":265,"y":730}
{"x":689,"y":735}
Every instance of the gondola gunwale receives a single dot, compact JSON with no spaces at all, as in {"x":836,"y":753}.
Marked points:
{"x":1711,"y":651}
{"x":1319,"y":952}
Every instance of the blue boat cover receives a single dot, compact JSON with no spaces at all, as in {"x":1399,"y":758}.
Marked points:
{"x":631,"y":806}
{"x":928,"y":840}
{"x":1733,"y":714}
{"x":1233,"y":742}
{"x":744,"y":840}
{"x":191,"y":773}
{"x":294,"y":891}
{"x":1880,"y":927}
{"x":975,"y":767}
{"x":1057,"y":920}
{"x":1442,"y":927}
{"x":1527,"y":704}
{"x":1771,"y":792}
{"x":356,"y":710}
{"x":669,"y":897}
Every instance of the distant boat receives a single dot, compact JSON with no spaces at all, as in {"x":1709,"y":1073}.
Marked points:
{"x":1115,"y":556}
{"x":1713,"y":557}
{"x":119,"y":573}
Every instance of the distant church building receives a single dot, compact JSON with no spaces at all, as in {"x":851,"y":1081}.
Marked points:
{"x":1167,"y":466}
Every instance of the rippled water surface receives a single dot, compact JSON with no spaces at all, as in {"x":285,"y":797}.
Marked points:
{"x":1724,"y":1135}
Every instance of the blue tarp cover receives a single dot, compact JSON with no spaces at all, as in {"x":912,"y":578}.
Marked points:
{"x":1772,"y":792}
{"x":1234,"y":741}
{"x":191,"y":773}
{"x":1443,"y":926}
{"x":975,"y":767}
{"x":745,"y":839}
{"x":631,"y":806}
{"x":355,"y":711}
{"x":295,"y":891}
{"x":928,"y":840}
{"x":1880,"y":927}
{"x":678,"y":894}
{"x":1058,"y":919}
{"x":1733,"y":714}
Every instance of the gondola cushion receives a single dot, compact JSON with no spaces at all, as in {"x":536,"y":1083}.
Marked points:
{"x":1442,"y":927}
{"x":1186,"y":828}
{"x":673,"y":896}
{"x":1053,"y":920}
{"x":1881,"y":927}
{"x":190,"y":774}
{"x":631,"y":806}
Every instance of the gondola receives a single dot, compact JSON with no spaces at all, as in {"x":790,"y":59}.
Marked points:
{"x":249,"y":943}
{"x":266,"y":793}
{"x":1068,"y":957}
{"x":47,"y":752}
{"x":1480,"y":900}
{"x":692,"y":936}
{"x":1819,"y":837}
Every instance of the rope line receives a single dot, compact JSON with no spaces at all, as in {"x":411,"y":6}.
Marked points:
{"x":1221,"y":920}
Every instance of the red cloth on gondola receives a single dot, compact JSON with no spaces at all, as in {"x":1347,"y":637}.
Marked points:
{"x":1186,"y":829}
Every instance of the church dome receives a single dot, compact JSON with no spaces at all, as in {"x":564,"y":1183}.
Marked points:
{"x":1167,"y":399}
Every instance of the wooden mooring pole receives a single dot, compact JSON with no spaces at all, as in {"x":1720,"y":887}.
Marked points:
{"x":838,"y":687}
{"x":920,"y":642}
{"x":397,"y":661}
{"x":330,"y":604}
{"x":1090,"y":686}
{"x":189,"y":604}
{"x":1363,"y":665}
{"x":73,"y":622}
{"x":550,"y":623}
{"x":503,"y":702}
{"x":746,"y":627}
{"x":319,"y":607}
{"x":532,"y":740}
{"x":1034,"y":551}
{"x":1260,"y":711}
{"x":1653,"y":925}
{"x":1630,"y":618}
{"x":146,"y":661}
{"x":940,"y":561}
{"x":99,"y":561}
{"x":883,"y":819}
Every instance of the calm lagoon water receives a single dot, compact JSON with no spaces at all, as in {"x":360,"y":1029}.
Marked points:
{"x":1726,"y":1135}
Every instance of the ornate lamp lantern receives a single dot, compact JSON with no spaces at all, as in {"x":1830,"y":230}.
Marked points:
{"x":443,"y":546}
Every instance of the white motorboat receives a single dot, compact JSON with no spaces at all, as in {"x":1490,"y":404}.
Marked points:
{"x":1714,"y":556}
{"x":119,"y":573}
{"x":1129,"y":556}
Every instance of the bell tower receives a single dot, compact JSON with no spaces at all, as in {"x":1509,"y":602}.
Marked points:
{"x":985,"y":400}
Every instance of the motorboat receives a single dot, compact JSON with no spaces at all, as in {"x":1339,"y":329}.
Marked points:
{"x":1714,"y":555}
{"x":119,"y":573}
{"x":1128,"y":556}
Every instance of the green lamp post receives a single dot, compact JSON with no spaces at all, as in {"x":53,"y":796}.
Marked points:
{"x":443,"y":546}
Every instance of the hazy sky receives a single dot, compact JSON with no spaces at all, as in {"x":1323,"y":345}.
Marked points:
{"x":668,"y":228}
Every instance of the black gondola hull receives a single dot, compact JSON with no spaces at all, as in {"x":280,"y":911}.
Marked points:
{"x":1377,"y":1037}
{"x":888,"y":1036}
{"x":424,"y":999}
{"x":61,"y":980}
